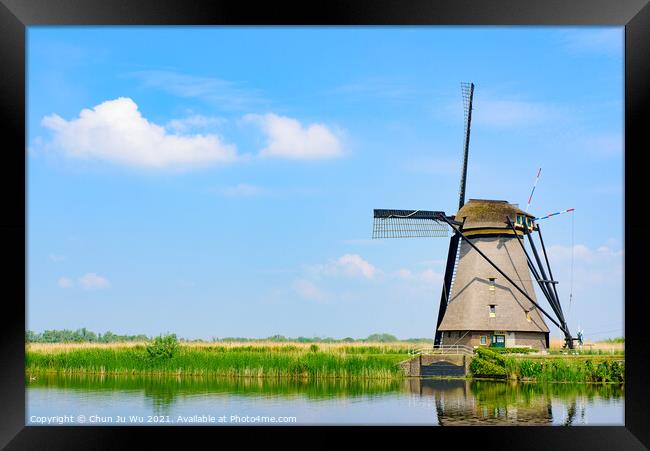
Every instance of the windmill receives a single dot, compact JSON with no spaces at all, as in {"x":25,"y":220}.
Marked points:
{"x":487,"y":295}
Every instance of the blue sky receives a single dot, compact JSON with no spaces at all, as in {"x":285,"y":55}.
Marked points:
{"x":220,"y":181}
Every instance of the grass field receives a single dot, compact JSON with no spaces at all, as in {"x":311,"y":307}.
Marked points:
{"x":263,"y":359}
{"x":297,"y":360}
{"x":358,"y":347}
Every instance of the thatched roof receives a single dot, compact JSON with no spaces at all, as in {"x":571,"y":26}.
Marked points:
{"x":488,"y":213}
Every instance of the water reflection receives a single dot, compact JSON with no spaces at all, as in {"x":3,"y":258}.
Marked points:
{"x":464,"y":402}
{"x":333,"y":401}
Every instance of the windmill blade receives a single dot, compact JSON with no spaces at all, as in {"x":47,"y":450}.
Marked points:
{"x":408,"y":224}
{"x":445,"y":295}
{"x":468,"y":98}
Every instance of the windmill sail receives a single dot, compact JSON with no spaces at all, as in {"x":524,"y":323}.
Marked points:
{"x":452,"y":254}
{"x":408,"y":224}
{"x":468,"y":98}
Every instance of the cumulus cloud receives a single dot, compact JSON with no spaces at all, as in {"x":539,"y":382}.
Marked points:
{"x":115,"y":130}
{"x":353,"y":264}
{"x":64,"y":282}
{"x":92,"y":281}
{"x":288,"y":138}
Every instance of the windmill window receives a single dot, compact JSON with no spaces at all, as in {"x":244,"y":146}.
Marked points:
{"x":493,"y":311}
{"x":528,"y":317}
{"x":519,"y":219}
{"x":491,"y":287}
{"x":483,"y":339}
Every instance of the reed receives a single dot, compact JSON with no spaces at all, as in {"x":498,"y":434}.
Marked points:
{"x":488,"y":363}
{"x":218,"y":360}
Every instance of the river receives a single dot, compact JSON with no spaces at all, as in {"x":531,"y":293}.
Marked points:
{"x":126,"y":400}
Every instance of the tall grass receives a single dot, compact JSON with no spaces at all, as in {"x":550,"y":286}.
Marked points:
{"x":235,"y":361}
{"x":488,"y":363}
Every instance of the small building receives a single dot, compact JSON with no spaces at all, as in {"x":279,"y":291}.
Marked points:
{"x":483,"y":308}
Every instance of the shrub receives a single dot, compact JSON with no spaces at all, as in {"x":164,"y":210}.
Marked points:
{"x":162,"y":347}
{"x":491,"y":356}
{"x":484,"y":368}
{"x":313,"y":348}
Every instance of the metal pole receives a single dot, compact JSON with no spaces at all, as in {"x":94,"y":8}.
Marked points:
{"x":539,"y":262}
{"x":568,"y":337}
{"x":534,"y":270}
{"x":468,"y":241}
{"x":550,"y":273}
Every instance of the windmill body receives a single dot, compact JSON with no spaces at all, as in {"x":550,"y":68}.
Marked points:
{"x":488,"y":296}
{"x":483,"y":308}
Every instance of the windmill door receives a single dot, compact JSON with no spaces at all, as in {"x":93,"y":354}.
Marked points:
{"x":498,"y":341}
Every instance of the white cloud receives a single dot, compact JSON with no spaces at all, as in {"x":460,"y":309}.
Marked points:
{"x":353,"y":265}
{"x":64,"y":282}
{"x":116,"y":131}
{"x":288,"y":138}
{"x":92,"y":281}
{"x":308,"y":290}
{"x":194,"y":122}
{"x":242,"y":190}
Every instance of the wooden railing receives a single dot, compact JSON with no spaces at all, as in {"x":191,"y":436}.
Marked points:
{"x":442,"y":349}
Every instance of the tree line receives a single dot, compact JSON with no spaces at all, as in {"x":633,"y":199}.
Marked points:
{"x":84,"y":335}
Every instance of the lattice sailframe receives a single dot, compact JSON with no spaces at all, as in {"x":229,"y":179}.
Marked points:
{"x":408,"y":224}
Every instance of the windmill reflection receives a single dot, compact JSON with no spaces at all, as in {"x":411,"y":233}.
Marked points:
{"x":461,"y":402}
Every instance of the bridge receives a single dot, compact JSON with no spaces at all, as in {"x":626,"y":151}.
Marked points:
{"x":438,"y":361}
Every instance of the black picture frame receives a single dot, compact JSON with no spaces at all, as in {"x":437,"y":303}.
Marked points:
{"x":16,"y":15}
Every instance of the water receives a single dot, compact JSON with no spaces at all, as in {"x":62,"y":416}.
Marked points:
{"x":96,"y":400}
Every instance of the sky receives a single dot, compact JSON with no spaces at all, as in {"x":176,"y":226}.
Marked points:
{"x":220,"y":181}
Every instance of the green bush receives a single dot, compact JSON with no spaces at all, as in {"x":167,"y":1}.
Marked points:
{"x":162,"y":347}
{"x":484,"y":368}
{"x":313,"y":348}
{"x":491,"y":356}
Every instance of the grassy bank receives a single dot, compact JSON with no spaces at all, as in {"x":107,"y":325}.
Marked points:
{"x":490,"y":364}
{"x":291,"y":360}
